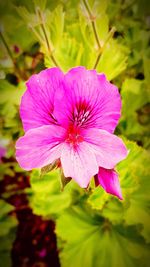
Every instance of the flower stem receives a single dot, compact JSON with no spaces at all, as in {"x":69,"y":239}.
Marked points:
{"x":92,"y":18}
{"x":36,"y":34}
{"x":110,"y":35}
{"x":20,"y":74}
{"x":46,"y":38}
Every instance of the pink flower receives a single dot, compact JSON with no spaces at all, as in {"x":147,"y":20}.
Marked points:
{"x":72,"y":117}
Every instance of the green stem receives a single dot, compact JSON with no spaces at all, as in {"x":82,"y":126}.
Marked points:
{"x":36,"y":34}
{"x":6,"y":46}
{"x":97,"y":60}
{"x":92,"y":18}
{"x":20,"y":74}
{"x":110,"y":35}
{"x":46,"y":38}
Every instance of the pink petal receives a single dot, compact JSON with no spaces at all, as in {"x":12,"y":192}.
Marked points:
{"x":40,"y":147}
{"x":38,"y":101}
{"x":108,"y":148}
{"x":109,"y":180}
{"x":79,"y":163}
{"x":86,"y":88}
{"x":110,"y":105}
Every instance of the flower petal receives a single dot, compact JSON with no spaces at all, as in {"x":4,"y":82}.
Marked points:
{"x":108,"y":148}
{"x":40,"y":146}
{"x":89,"y":93}
{"x":109,"y":180}
{"x":79,"y":163}
{"x":38,"y":101}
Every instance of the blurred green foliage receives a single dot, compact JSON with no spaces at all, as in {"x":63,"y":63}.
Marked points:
{"x":8,"y":226}
{"x":93,"y":228}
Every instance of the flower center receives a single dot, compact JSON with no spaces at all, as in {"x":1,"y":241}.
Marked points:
{"x":73,"y":135}
{"x":81,"y":113}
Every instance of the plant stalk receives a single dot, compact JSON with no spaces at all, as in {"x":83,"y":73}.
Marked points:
{"x":20,"y":74}
{"x":110,"y":35}
{"x":92,"y":18}
{"x":46,"y":39}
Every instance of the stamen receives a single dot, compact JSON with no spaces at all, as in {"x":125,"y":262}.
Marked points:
{"x":81,"y":113}
{"x":74,"y":136}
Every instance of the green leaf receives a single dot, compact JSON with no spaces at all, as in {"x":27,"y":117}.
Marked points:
{"x":98,"y":198}
{"x":55,"y":21}
{"x":81,"y":231}
{"x":137,"y":211}
{"x":113,"y":60}
{"x":16,"y":32}
{"x":47,"y":199}
{"x":11,"y":94}
{"x":135,"y":112}
{"x":102,"y":23}
{"x":6,"y":243}
{"x":134,"y":94}
{"x":68,"y":54}
{"x":5,"y":208}
{"x":6,"y":221}
{"x":9,"y":102}
{"x":8,"y":225}
{"x":5,"y":169}
{"x":147,"y":71}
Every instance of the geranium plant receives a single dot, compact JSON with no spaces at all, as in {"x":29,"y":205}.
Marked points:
{"x":75,"y":111}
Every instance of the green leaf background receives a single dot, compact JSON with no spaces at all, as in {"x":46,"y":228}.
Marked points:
{"x":8,"y":226}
